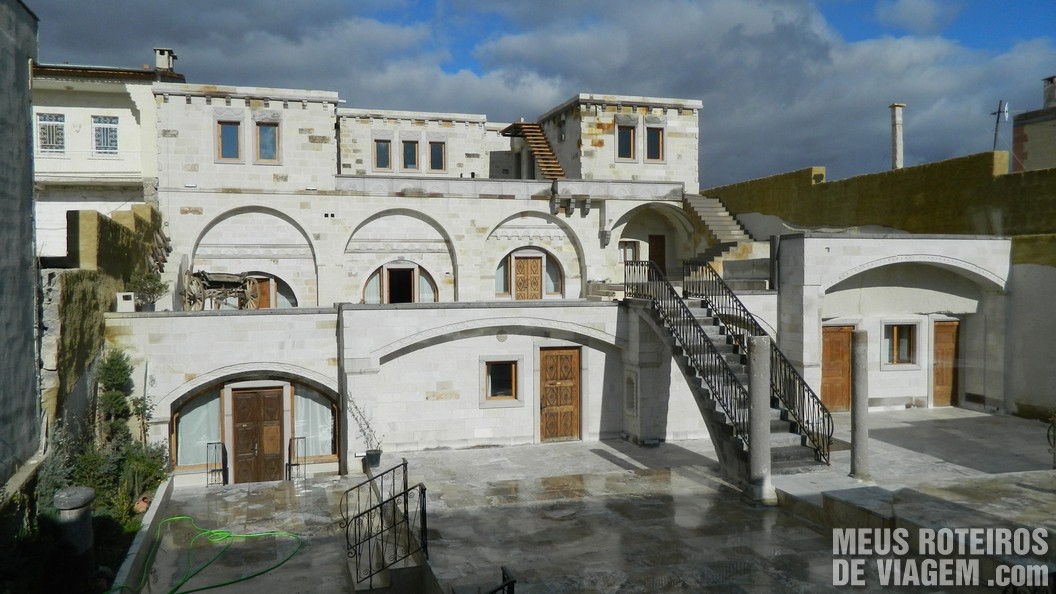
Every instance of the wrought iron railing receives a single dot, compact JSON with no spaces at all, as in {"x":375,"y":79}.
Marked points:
{"x":215,"y":463}
{"x":297,"y":465}
{"x":643,"y":280}
{"x":384,"y":521}
{"x":812,"y":419}
{"x":388,"y":532}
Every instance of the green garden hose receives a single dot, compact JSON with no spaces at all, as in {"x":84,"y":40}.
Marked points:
{"x":213,"y":536}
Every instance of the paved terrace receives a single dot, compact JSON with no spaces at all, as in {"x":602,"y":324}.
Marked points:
{"x":610,"y":516}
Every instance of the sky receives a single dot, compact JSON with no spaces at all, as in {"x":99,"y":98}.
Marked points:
{"x":785,"y":84}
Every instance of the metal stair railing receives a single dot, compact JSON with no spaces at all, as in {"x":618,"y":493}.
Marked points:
{"x":809,"y":413}
{"x":644,"y":280}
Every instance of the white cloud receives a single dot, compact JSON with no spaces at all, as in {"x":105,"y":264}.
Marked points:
{"x":918,"y":16}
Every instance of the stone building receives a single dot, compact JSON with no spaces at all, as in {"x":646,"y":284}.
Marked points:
{"x":1034,"y":133}
{"x":19,"y":405}
{"x":445,"y":281}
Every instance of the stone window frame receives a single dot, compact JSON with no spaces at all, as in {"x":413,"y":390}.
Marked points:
{"x":443,"y":156}
{"x":634,"y":141}
{"x":220,"y":122}
{"x":374,"y":154}
{"x":257,"y":125}
{"x":531,"y":251}
{"x":662,"y":147}
{"x":417,"y":154}
{"x":914,"y":363}
{"x":519,"y":374}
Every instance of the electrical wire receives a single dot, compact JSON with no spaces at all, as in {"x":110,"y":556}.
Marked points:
{"x":212,"y":536}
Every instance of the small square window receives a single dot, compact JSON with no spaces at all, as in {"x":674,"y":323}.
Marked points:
{"x":900,"y":344}
{"x":501,"y":380}
{"x":228,"y":134}
{"x":654,"y":144}
{"x":104,"y":131}
{"x":382,"y":154}
{"x":267,"y":142}
{"x":437,"y":157}
{"x":628,"y":251}
{"x":625,"y":142}
{"x":410,"y":154}
{"x":51,"y":132}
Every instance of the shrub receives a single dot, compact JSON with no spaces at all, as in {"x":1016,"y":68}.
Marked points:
{"x":115,"y":371}
{"x":147,"y":286}
{"x":114,"y":404}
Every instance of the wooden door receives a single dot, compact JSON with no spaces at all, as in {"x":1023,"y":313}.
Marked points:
{"x":836,"y":367}
{"x":658,"y":251}
{"x":528,"y":278}
{"x":944,"y":362}
{"x":559,"y":397}
{"x":258,"y":435}
{"x":264,"y":296}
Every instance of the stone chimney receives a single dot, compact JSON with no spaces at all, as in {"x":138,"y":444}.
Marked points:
{"x":896,"y":135}
{"x":164,"y":58}
{"x":1049,"y":84}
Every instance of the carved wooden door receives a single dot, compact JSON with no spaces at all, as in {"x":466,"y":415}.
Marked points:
{"x":559,"y":397}
{"x":945,"y":364}
{"x":528,"y":278}
{"x":258,"y":435}
{"x":836,"y":367}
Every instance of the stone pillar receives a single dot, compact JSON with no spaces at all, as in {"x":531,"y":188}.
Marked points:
{"x":74,"y":505}
{"x":860,"y":405}
{"x":761,"y":489}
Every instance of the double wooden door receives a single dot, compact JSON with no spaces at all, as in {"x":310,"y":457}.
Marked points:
{"x":559,"y":394}
{"x":528,"y":277}
{"x":258,"y":435}
{"x":836,"y":367}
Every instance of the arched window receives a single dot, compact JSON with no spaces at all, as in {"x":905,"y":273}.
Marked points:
{"x":274,"y":293}
{"x":529,"y":273}
{"x":197,"y":424}
{"x":400,"y":282}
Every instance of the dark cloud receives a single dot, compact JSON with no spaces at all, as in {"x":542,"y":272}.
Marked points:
{"x":781,"y":89}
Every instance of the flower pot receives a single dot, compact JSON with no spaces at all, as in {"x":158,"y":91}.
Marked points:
{"x":373,"y":458}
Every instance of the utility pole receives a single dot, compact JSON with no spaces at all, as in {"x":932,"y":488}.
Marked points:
{"x":1002,"y":108}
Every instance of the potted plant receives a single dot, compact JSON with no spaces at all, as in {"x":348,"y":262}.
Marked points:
{"x":148,"y":288}
{"x":370,"y":438}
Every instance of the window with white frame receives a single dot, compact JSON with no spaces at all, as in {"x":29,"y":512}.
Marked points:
{"x":197,"y":425}
{"x":900,"y":344}
{"x":104,"y":131}
{"x":51,"y":132}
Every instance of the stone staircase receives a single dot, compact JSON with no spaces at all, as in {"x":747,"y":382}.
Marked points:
{"x":533,"y":135}
{"x":729,"y":242}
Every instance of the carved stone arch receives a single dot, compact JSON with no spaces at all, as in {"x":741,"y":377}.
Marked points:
{"x":580,"y":264}
{"x":972,"y":272}
{"x":179,"y":396}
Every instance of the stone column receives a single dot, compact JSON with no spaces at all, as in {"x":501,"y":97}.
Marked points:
{"x":896,"y":135}
{"x":860,"y":406}
{"x":74,"y":505}
{"x":761,"y":489}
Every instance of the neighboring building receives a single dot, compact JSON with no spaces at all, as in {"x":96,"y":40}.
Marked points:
{"x":20,"y":401}
{"x":95,"y":141}
{"x":1034,"y":134}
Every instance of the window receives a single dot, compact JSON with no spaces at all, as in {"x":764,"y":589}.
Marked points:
{"x":267,"y":142}
{"x":654,"y":144}
{"x":437,"y":156}
{"x":228,"y":134}
{"x":625,"y":142}
{"x":382,"y":154}
{"x":628,"y":251}
{"x":900,"y":343}
{"x":197,"y":424}
{"x":51,"y":132}
{"x":104,"y":130}
{"x":314,"y":420}
{"x":400,"y":282}
{"x":529,"y":274}
{"x":410,"y":154}
{"x":501,"y":379}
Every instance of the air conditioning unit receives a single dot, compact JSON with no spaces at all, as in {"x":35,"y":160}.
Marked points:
{"x":125,"y":302}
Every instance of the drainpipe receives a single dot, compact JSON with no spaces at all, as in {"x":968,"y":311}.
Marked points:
{"x":896,"y":135}
{"x":342,"y":394}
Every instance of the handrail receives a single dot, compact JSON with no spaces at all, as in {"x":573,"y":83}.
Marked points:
{"x":371,"y":497}
{"x":296,"y":467}
{"x":643,"y":279}
{"x":812,"y":419}
{"x":215,"y":463}
{"x":384,"y":534}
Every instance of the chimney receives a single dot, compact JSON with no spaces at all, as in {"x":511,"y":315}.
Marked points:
{"x":164,"y":58}
{"x":1049,"y":85}
{"x":896,"y":135}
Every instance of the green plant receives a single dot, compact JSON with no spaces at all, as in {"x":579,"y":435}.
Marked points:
{"x":114,"y":404}
{"x":147,"y":286}
{"x":114,"y":372}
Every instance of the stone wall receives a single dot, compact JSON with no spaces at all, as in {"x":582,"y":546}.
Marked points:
{"x":967,"y":195}
{"x":118,"y":245}
{"x":1034,"y":140}
{"x":19,"y":405}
